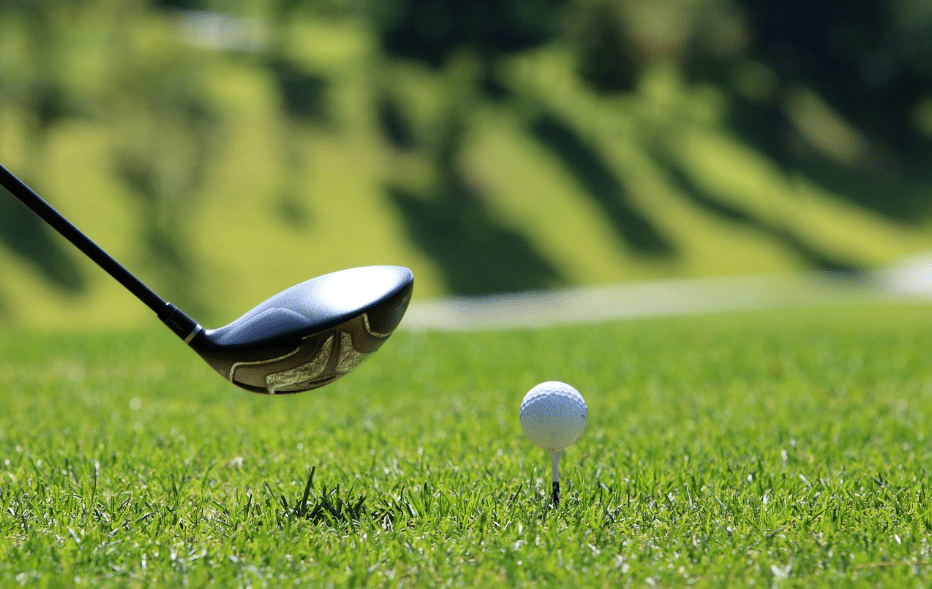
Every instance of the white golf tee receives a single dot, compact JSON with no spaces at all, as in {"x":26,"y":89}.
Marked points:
{"x":555,"y":474}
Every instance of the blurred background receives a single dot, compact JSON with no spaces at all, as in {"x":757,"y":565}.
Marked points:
{"x":224,"y":151}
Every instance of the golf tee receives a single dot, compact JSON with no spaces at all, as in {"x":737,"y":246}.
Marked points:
{"x":555,"y":474}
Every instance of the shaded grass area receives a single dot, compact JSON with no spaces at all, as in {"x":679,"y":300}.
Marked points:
{"x":24,"y":233}
{"x":784,"y":448}
{"x":477,"y":254}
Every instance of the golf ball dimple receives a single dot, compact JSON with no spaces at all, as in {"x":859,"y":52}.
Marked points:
{"x":553,"y":415}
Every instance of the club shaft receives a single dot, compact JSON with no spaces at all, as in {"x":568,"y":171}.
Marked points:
{"x":60,"y":224}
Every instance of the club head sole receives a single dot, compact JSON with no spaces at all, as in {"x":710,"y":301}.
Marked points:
{"x":306,"y":355}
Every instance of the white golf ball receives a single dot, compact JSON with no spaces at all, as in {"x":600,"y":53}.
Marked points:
{"x":553,"y":415}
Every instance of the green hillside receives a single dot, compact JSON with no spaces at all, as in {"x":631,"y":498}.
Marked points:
{"x":552,"y":185}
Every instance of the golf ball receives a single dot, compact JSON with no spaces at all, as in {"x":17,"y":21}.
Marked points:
{"x":553,"y":415}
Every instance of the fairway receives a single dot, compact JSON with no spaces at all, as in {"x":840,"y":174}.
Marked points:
{"x":767,"y":448}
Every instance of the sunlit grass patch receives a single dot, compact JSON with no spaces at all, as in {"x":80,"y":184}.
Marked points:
{"x":782,"y":447}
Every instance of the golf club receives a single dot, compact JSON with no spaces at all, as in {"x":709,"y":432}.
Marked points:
{"x":300,"y":339}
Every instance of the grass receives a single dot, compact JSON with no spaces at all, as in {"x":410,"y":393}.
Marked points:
{"x":771,"y":448}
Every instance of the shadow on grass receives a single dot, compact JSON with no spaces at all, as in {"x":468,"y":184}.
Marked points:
{"x":882,"y":181}
{"x":304,"y":101}
{"x":303,"y":93}
{"x":27,"y":236}
{"x":809,"y":253}
{"x":602,"y":185}
{"x":394,"y":123}
{"x":408,"y":505}
{"x":475,"y":253}
{"x":168,"y":253}
{"x":330,"y":507}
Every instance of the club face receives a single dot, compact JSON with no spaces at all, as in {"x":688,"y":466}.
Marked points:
{"x":311,"y":334}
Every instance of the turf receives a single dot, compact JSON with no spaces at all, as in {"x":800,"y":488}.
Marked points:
{"x":770,"y":448}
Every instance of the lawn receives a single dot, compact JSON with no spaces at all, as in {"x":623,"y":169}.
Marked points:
{"x":777,"y":448}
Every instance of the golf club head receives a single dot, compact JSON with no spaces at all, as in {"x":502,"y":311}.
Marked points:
{"x":311,"y":334}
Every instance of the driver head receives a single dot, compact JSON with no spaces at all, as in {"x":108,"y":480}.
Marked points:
{"x":311,"y":334}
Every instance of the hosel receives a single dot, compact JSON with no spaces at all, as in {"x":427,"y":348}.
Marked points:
{"x":176,"y":320}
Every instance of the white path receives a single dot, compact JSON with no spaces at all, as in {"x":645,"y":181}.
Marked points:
{"x":910,"y":280}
